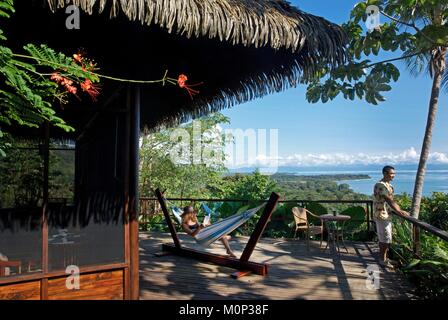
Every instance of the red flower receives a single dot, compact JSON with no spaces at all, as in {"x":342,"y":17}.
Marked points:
{"x":72,"y":89}
{"x":90,"y":88}
{"x":66,"y":82}
{"x":78,"y":58}
{"x":181,"y":82}
{"x":56,"y":77}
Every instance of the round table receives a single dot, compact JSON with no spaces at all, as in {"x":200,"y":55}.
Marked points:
{"x":63,"y":254}
{"x":333,"y":233}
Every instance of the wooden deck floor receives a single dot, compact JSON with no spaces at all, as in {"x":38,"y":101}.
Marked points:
{"x":294,"y":273}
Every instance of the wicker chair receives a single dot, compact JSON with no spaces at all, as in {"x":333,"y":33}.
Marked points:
{"x":302,"y":224}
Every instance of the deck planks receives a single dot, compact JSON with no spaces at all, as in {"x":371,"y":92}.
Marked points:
{"x":294,"y":273}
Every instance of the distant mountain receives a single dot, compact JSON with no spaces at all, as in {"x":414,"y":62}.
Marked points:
{"x":336,"y":169}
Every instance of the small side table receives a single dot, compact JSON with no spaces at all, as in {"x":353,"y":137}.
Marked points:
{"x":5,"y":267}
{"x":333,"y":233}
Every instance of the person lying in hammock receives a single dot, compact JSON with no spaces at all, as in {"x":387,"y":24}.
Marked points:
{"x":191,"y":226}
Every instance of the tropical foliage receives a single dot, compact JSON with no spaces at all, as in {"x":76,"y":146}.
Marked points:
{"x":188,"y":168}
{"x":21,"y":175}
{"x":35,"y":79}
{"x":434,"y":208}
{"x":429,"y":271}
{"x":416,"y":29}
{"x":316,"y":187}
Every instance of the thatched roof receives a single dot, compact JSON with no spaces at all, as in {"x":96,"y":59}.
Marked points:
{"x":240,"y":49}
{"x":272,"y":23}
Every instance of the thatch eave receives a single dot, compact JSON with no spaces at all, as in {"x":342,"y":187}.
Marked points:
{"x":235,"y":21}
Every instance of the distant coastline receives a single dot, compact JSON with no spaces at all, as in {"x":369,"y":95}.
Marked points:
{"x":362,"y":178}
{"x":332,"y":177}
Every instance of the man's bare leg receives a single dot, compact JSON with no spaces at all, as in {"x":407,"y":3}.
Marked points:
{"x":384,"y":250}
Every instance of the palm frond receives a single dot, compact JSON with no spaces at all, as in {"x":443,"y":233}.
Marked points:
{"x":417,"y":64}
{"x":445,"y":78}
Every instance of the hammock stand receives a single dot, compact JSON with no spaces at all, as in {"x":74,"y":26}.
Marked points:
{"x":243,"y":265}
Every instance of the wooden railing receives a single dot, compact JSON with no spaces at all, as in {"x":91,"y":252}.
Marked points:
{"x":417,"y":226}
{"x":147,"y":210}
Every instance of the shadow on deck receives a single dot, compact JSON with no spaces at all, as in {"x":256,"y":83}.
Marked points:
{"x":294,"y":273}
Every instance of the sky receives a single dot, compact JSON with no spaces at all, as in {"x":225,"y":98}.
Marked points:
{"x":343,"y":131}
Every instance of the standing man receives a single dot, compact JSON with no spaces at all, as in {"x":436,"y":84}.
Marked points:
{"x":383,"y":204}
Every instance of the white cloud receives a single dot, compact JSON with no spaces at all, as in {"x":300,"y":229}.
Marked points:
{"x":409,"y":156}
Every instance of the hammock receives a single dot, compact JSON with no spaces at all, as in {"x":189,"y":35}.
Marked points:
{"x":209,"y":211}
{"x":216,"y":231}
{"x":177,"y":213}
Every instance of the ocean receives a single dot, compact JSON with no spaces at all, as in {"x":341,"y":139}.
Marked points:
{"x":436,"y":179}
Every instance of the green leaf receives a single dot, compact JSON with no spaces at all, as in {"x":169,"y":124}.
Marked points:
{"x":351,"y":94}
{"x":432,"y":262}
{"x":384,"y":87}
{"x":437,"y":34}
{"x":48,"y":57}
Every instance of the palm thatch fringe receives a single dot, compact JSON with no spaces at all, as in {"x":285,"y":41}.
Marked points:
{"x":248,"y":22}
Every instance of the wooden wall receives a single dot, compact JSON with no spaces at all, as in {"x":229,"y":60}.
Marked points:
{"x":106,"y":162}
{"x":93,"y":286}
{"x":21,"y":291}
{"x":107,"y":285}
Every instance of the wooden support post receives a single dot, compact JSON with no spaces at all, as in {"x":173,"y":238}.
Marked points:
{"x":259,"y":228}
{"x":257,"y":268}
{"x":240,"y":274}
{"x":134,"y":137}
{"x":168,"y":219}
{"x":46,"y":161}
{"x":243,"y":264}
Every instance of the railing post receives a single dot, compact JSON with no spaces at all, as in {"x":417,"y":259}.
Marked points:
{"x":368,"y":217}
{"x":416,"y":239}
{"x":168,"y":219}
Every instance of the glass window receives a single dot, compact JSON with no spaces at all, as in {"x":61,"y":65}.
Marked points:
{"x":86,"y":234}
{"x":20,"y":241}
{"x":21,"y":181}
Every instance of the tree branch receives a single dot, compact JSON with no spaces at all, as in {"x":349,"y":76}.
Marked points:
{"x":163,"y":80}
{"x":412,"y":25}
{"x":401,"y":22}
{"x":393,"y":59}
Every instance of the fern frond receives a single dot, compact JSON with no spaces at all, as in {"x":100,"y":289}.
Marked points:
{"x":24,"y":65}
{"x":16,"y":108}
{"x":6,"y":8}
{"x":46,"y":56}
{"x":5,"y":55}
{"x":2,"y":37}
